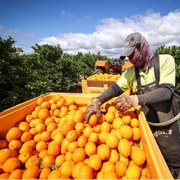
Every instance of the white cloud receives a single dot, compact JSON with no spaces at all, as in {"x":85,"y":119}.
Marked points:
{"x":110,"y":34}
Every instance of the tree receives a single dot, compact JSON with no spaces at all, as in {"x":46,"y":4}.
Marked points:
{"x":13,"y":74}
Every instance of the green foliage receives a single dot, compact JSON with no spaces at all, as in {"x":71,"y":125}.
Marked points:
{"x":175,"y":52}
{"x":47,"y":69}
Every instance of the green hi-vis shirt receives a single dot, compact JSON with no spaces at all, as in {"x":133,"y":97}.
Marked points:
{"x":167,"y":74}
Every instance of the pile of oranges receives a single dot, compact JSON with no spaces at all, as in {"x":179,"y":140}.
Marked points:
{"x":104,"y":77}
{"x":54,"y":143}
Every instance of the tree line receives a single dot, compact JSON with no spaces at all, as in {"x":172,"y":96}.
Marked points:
{"x":48,"y":68}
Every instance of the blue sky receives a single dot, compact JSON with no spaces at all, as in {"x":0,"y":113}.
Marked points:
{"x":89,"y":25}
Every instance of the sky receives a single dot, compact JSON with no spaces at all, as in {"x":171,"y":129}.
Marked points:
{"x":89,"y":25}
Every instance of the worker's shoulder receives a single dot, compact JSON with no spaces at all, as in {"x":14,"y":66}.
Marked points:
{"x":164,"y":57}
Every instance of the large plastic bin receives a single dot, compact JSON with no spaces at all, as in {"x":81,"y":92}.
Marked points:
{"x":95,"y":87}
{"x":157,"y":167}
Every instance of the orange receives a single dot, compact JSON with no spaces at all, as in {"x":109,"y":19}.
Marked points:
{"x":103,"y":136}
{"x":138,"y":156}
{"x":76,"y":169}
{"x":105,"y":126}
{"x":79,"y":155}
{"x":24,"y":126}
{"x":136,"y":134}
{"x":40,"y":127}
{"x":100,"y":175}
{"x":48,"y":160}
{"x":58,"y":138}
{"x":78,"y":117}
{"x":72,"y":135}
{"x":143,"y":177}
{"x":120,"y":168}
{"x":117,"y":123}
{"x":15,"y":144}
{"x":37,"y":108}
{"x":34,"y":122}
{"x":44,"y":173}
{"x":59,"y":160}
{"x":31,"y":172}
{"x":34,"y":114}
{"x":33,"y":160}
{"x":45,"y":136}
{"x":16,"y":174}
{"x":97,"y":128}
{"x":112,"y":140}
{"x":126,"y":119}
{"x":43,"y":114}
{"x":62,"y":114}
{"x":4,"y":176}
{"x":65,"y":144}
{"x":124,"y":159}
{"x":72,"y":146}
{"x":26,"y":136}
{"x":49,"y":120}
{"x":53,"y":149}
{"x":93,"y":119}
{"x":64,"y":108}
{"x":118,"y":133}
{"x":95,"y":162}
{"x":37,"y":138}
{"x":103,"y":151}
{"x":24,"y":157}
{"x":87,"y":131}
{"x":26,"y":148}
{"x":109,"y":117}
{"x":51,"y":126}
{"x":133,"y":172}
{"x":90,"y":148}
{"x":134,"y":122}
{"x":11,"y":164}
{"x":124,"y":147}
{"x":126,"y":131}
{"x":40,"y":100}
{"x":45,"y":105}
{"x":114,"y":156}
{"x":94,"y":137}
{"x":54,"y":107}
{"x":67,"y":168}
{"x":60,"y":104}
{"x":3,"y":144}
{"x":110,"y":175}
{"x":28,"y":118}
{"x":82,"y":140}
{"x":108,"y":166}
{"x":41,"y":145}
{"x":66,"y":128}
{"x":54,"y":174}
{"x":43,"y":153}
{"x":70,"y":102}
{"x":85,"y":172}
{"x":68,"y":156}
{"x":112,"y":109}
{"x":72,"y":107}
{"x":13,"y":133}
{"x":57,"y":98}
{"x":79,"y":127}
{"x":56,"y":113}
{"x":55,"y":132}
{"x":33,"y":131}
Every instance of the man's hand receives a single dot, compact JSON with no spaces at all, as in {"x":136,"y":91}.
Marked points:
{"x":124,"y":102}
{"x":93,"y":108}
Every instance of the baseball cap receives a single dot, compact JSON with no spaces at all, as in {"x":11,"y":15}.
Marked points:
{"x":131,"y":41}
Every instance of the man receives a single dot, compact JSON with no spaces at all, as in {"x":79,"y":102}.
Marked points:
{"x":154,"y":95}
